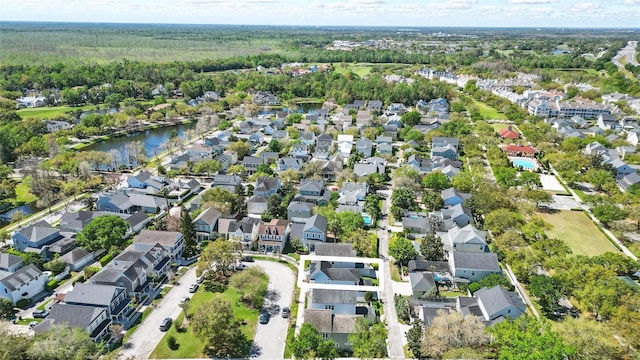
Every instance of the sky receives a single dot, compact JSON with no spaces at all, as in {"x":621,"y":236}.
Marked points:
{"x":454,"y":13}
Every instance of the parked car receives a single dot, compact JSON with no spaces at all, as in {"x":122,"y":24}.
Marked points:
{"x":264,"y":317}
{"x":247,"y":259}
{"x":241,"y":267}
{"x":193,"y":288}
{"x":40,"y":314}
{"x":285,"y":312}
{"x":199,"y":280}
{"x":33,"y":324}
{"x":184,"y":300}
{"x":165,"y":324}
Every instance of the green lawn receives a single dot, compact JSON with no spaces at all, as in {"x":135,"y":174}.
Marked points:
{"x":488,"y":112}
{"x":49,"y":112}
{"x":190,"y":345}
{"x":23,"y":194}
{"x":579,"y":232}
{"x":361,"y":69}
{"x":498,"y":127}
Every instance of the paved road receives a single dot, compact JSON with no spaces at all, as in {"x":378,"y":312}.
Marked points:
{"x":148,"y":335}
{"x":394,"y":339}
{"x":269,"y":339}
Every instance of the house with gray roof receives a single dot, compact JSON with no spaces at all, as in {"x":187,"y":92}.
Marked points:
{"x":451,"y":196}
{"x":24,"y":283}
{"x":299,"y":211}
{"x":267,"y":186}
{"x":418,"y":226}
{"x":77,"y":258}
{"x":313,"y":232}
{"x":251,"y":163}
{"x":323,"y":272}
{"x":129,"y":202}
{"x":627,"y":181}
{"x":364,"y":147}
{"x":467,"y":238}
{"x":35,"y":237}
{"x":227,"y":182}
{"x":292,"y":163}
{"x":419,"y":163}
{"x":353,"y":192}
{"x":339,"y":301}
{"x":332,"y":326}
{"x":171,"y":241}
{"x":497,"y":304}
{"x":313,"y":191}
{"x":244,"y":231}
{"x":257,"y":205}
{"x":473,"y":266}
{"x":112,"y":298}
{"x":9,"y":262}
{"x":457,"y":214}
{"x":422,"y":284}
{"x":93,"y":320}
{"x":335,"y":250}
{"x":206,"y":224}
{"x":307,"y":137}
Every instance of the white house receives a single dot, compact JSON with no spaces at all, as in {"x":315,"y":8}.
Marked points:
{"x":22,"y":284}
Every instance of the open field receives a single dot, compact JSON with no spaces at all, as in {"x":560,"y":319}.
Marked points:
{"x":192,"y":346}
{"x":488,"y":112}
{"x":360,"y":69}
{"x":50,"y":112}
{"x":23,"y":194}
{"x":579,"y":232}
{"x":498,"y":127}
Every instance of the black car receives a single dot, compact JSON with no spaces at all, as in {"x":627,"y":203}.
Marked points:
{"x":40,"y":314}
{"x":247,"y":259}
{"x":264,"y":317}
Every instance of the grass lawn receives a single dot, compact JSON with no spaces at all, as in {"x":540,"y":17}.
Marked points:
{"x":49,"y":112}
{"x":190,"y":345}
{"x":23,"y":195}
{"x":572,"y":226}
{"x":635,"y":248}
{"x":498,"y":127}
{"x":361,"y":69}
{"x":488,"y":112}
{"x":395,"y":273}
{"x":27,"y":321}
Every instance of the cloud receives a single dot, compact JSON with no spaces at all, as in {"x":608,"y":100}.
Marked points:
{"x":530,"y":2}
{"x":631,"y":2}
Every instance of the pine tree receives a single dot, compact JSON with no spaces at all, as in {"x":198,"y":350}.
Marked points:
{"x":188,"y":230}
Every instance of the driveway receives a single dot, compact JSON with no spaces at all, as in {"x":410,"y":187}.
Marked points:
{"x":148,"y":335}
{"x":269,"y":339}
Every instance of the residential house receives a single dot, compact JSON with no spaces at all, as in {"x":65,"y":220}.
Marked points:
{"x":270,"y":157}
{"x":363,"y":118}
{"x":195,"y":151}
{"x":627,"y":181}
{"x":55,"y":125}
{"x":265,"y":98}
{"x":608,"y":122}
{"x":61,"y":247}
{"x":331,"y":168}
{"x":257,"y":205}
{"x":24,"y":283}
{"x":423,"y":284}
{"x":397,"y":108}
{"x":323,"y":272}
{"x":280,"y":134}
{"x":441,"y":141}
{"x":457,"y":214}
{"x":518,"y":150}
{"x":10,"y":263}
{"x":421,"y":164}
{"x":509,"y":133}
{"x":364,"y":169}
{"x":467,"y":238}
{"x":272,"y":236}
{"x":337,"y":250}
{"x":147,"y":182}
{"x":206,"y":224}
{"x":244,"y":231}
{"x":390,"y":130}
{"x":267,"y":186}
{"x":394,"y":119}
{"x":126,"y":202}
{"x":364,"y":147}
{"x":251,"y":164}
{"x":473,"y":266}
{"x":447,"y":151}
{"x":341,"y":302}
{"x":345,"y":143}
{"x":629,"y":123}
{"x":256,"y":138}
{"x":418,"y":226}
{"x":112,"y":298}
{"x":331,"y":326}
{"x":384,"y":149}
{"x":171,"y":241}
{"x":290,"y":163}
{"x":299,"y":211}
{"x":353,"y":192}
{"x":77,"y":258}
{"x":313,"y":191}
{"x":633,"y":137}
{"x":35,"y":236}
{"x":451,"y":196}
{"x":621,"y":168}
{"x":300,"y":151}
{"x":313,"y":231}
{"x":227,"y":182}
{"x":496,"y":304}
{"x":307,"y":137}
{"x":94,"y":320}
{"x":374,"y":105}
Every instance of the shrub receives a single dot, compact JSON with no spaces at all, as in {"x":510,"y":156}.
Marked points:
{"x":52,"y":284}
{"x":172,"y":343}
{"x":215,"y":286}
{"x":105,"y":259}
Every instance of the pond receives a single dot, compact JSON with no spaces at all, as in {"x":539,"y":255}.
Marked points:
{"x":152,"y":140}
{"x":27,"y":209}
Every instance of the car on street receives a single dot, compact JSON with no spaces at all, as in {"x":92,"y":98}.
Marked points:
{"x":165,"y":324}
{"x":241,"y":267}
{"x":285,"y":312}
{"x":40,"y":314}
{"x":184,"y":300}
{"x":193,"y":288}
{"x":264,"y":317}
{"x":199,"y":280}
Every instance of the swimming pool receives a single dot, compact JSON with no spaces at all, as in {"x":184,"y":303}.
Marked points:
{"x":527,"y":164}
{"x":367,"y":219}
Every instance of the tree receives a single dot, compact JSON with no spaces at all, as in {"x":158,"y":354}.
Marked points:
{"x":414,"y":339}
{"x":501,"y":220}
{"x":591,"y":339}
{"x":220,"y":199}
{"x":275,"y":146}
{"x":310,"y":344}
{"x":215,"y":323}
{"x":103,"y":232}
{"x":209,"y":167}
{"x":221,"y":254}
{"x":63,"y":343}
{"x":14,"y":346}
{"x":599,"y":177}
{"x":406,"y":177}
{"x":529,"y":180}
{"x":607,"y":213}
{"x":188,"y":230}
{"x":369,"y":340}
{"x":453,"y":331}
{"x":491,"y":281}
{"x":432,"y":200}
{"x":549,"y":290}
{"x":432,"y":248}
{"x":241,"y":147}
{"x":349,"y":221}
{"x":538,"y":197}
{"x":6,"y":309}
{"x":252,"y":285}
{"x":526,"y":338}
{"x":401,"y":249}
{"x":372,"y":206}
{"x":436,"y":181}
{"x":411,"y":118}
{"x":403,"y":199}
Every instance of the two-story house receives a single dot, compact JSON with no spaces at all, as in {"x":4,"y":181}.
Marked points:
{"x":227,"y":182}
{"x":473,"y":266}
{"x":272,"y":235}
{"x":452,"y":196}
{"x":206,"y":224}
{"x":35,"y":237}
{"x":292,"y":163}
{"x":251,"y":163}
{"x":171,"y":241}
{"x":24,"y":283}
{"x":112,"y":298}
{"x":341,"y":302}
{"x":94,"y":320}
{"x":299,"y":211}
{"x":10,"y":263}
{"x":323,"y":272}
{"x":331,"y":326}
{"x":313,"y":191}
{"x":312,"y":232}
{"x":467,"y":238}
{"x":244,"y":231}
{"x":457,"y":214}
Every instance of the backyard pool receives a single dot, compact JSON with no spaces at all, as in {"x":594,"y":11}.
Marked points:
{"x":367,"y":219}
{"x":526,"y":164}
